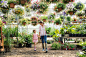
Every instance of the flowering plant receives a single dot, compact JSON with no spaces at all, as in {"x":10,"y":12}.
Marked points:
{"x":79,"y":6}
{"x":35,"y":6}
{"x":59,"y":7}
{"x":4,"y":8}
{"x":51,"y":16}
{"x":42,"y":7}
{"x":18,"y":11}
{"x":56,"y":34}
{"x":67,"y":1}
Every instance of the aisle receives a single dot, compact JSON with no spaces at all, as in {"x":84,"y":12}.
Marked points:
{"x":29,"y":52}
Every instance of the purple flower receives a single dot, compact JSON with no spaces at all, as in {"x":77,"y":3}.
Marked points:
{"x":1,"y":1}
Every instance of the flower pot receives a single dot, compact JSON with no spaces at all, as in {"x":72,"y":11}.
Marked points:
{"x":44,"y":20}
{"x":24,"y":23}
{"x":59,"y":9}
{"x":70,"y":35}
{"x":22,"y":2}
{"x":71,"y":13}
{"x":73,"y":48}
{"x":57,"y":23}
{"x":29,"y":45}
{"x":7,"y":48}
{"x":12,"y":5}
{"x":80,"y":17}
{"x":20,"y":45}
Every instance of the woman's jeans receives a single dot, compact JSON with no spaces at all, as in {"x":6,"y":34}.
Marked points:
{"x":44,"y":39}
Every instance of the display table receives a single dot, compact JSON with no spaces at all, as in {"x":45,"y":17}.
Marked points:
{"x":73,"y":37}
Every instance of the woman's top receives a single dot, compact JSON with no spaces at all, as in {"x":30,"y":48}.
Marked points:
{"x":42,"y":30}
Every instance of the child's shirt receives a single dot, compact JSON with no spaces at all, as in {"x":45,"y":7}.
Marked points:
{"x":35,"y":36}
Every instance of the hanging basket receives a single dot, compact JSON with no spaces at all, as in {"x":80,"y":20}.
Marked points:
{"x":12,"y":5}
{"x":24,"y":23}
{"x":59,"y":9}
{"x":44,"y":20}
{"x":57,"y":23}
{"x":71,"y":12}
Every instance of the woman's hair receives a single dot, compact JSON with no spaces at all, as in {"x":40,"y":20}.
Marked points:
{"x":41,"y":22}
{"x":34,"y":30}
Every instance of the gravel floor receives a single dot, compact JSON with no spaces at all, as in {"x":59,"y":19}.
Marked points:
{"x":29,"y":52}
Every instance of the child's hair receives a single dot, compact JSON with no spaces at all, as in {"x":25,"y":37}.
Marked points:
{"x":34,"y":30}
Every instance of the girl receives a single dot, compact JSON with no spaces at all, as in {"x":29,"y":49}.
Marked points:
{"x":35,"y":39}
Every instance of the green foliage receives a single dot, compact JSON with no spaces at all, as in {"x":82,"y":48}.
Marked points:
{"x":56,"y":46}
{"x":58,"y":21}
{"x":67,"y":1}
{"x":71,"y":46}
{"x":44,"y":17}
{"x":42,"y":7}
{"x":79,"y":6}
{"x":48,"y":30}
{"x":60,"y":5}
{"x":82,"y":43}
{"x":49,"y":41}
{"x":51,"y":16}
{"x":12,"y":1}
{"x":62,"y":31}
{"x":68,"y":18}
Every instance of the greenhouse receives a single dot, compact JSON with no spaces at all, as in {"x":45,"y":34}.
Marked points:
{"x":42,"y":28}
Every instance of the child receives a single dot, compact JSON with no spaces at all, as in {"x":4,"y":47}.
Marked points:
{"x":35,"y":39}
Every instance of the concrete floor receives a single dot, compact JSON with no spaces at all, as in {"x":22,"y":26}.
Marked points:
{"x":29,"y":52}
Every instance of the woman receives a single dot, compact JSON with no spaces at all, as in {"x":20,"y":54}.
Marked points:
{"x":43,"y":36}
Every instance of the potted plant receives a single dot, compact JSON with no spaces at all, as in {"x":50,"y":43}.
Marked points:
{"x":44,"y":18}
{"x":59,"y":7}
{"x":34,"y":19}
{"x":21,"y":42}
{"x":42,"y":7}
{"x":24,"y":22}
{"x":23,"y":2}
{"x":11,"y":3}
{"x":72,"y":11}
{"x":56,"y":46}
{"x":67,"y":1}
{"x":48,"y":30}
{"x":18,"y":11}
{"x":79,"y":6}
{"x":58,"y":21}
{"x":62,"y":31}
{"x":71,"y":46}
{"x":52,"y":1}
{"x":68,"y":19}
{"x":51,"y":16}
{"x":28,"y":39}
{"x":75,"y":20}
{"x":35,"y":6}
{"x":5,"y":9}
{"x":34,"y":23}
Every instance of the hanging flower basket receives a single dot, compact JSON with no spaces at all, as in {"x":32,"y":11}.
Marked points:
{"x":79,"y":6}
{"x":42,"y":7}
{"x":44,"y":20}
{"x":12,"y":4}
{"x":59,"y":7}
{"x":18,"y":11}
{"x":34,"y":23}
{"x":71,"y":12}
{"x":67,"y":1}
{"x":4,"y":9}
{"x":34,"y":19}
{"x":35,"y":6}
{"x":58,"y":21}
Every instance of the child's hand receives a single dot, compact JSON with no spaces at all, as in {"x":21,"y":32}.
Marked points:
{"x":39,"y":36}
